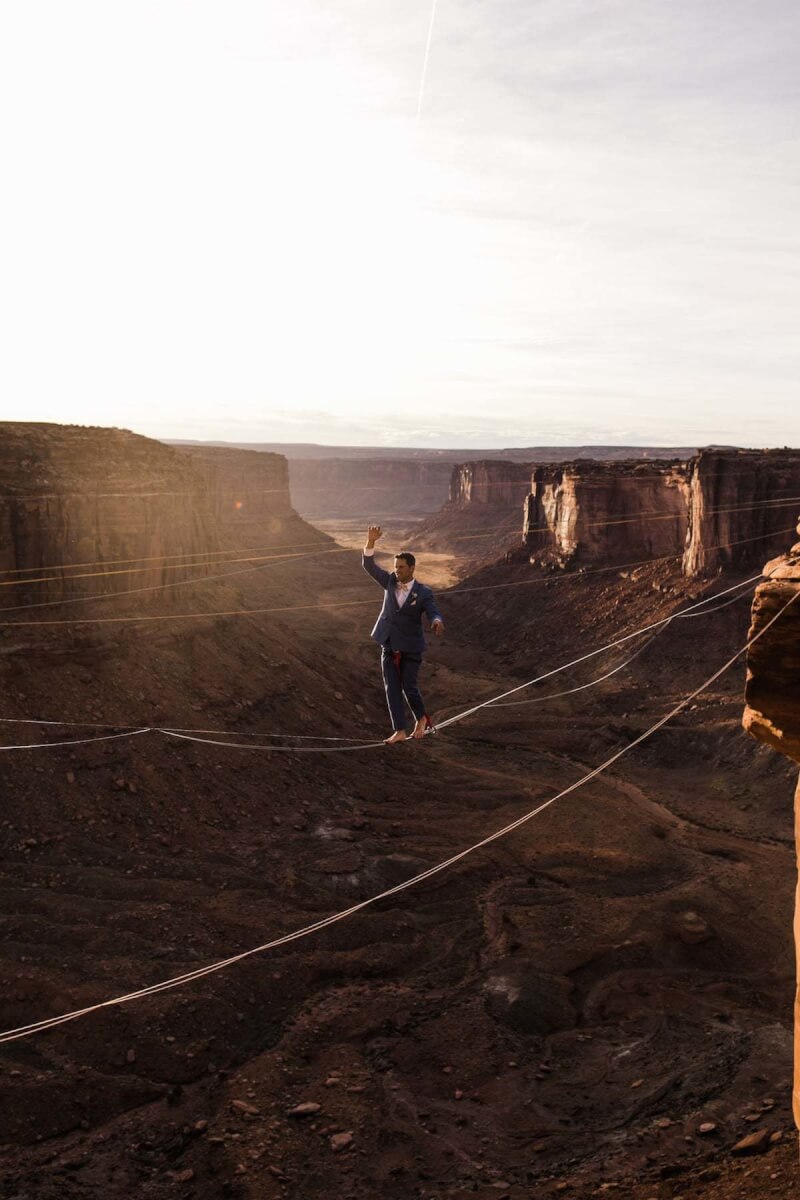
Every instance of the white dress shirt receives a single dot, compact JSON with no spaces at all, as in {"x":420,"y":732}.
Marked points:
{"x":401,"y":589}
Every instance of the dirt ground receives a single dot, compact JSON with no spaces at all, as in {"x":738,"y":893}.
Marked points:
{"x":557,"y":1014}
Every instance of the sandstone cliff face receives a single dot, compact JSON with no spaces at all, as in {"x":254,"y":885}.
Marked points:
{"x":489,"y":482}
{"x":245,"y":486}
{"x":72,"y":494}
{"x":592,"y":512}
{"x":740,"y":507}
{"x":139,"y":514}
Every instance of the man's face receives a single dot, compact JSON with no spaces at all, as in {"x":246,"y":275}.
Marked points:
{"x":402,"y":570}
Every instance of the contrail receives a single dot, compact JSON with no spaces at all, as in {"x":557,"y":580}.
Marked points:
{"x":425,"y":63}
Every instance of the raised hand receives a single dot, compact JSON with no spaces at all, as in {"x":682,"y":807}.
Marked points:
{"x":373,"y":534}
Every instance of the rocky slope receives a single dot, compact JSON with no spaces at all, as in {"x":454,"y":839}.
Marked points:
{"x":565,"y":1009}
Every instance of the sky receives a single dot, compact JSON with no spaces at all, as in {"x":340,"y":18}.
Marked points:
{"x":257,"y":221}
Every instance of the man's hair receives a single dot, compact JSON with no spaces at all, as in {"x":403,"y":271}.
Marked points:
{"x":408,"y":557}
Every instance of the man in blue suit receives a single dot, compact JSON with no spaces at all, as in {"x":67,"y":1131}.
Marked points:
{"x":398,"y":631}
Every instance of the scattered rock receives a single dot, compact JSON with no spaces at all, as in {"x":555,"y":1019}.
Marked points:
{"x":247,"y":1110}
{"x":307,"y":1109}
{"x":754,"y":1143}
{"x":706,"y":1128}
{"x":692,"y":929}
{"x":340,"y":1141}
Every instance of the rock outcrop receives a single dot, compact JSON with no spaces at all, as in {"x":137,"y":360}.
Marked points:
{"x":772,"y":692}
{"x":742,"y":506}
{"x":489,"y":482}
{"x":587,"y":512}
{"x":772,"y":698}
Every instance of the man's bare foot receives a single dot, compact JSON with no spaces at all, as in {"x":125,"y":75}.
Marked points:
{"x":421,"y":728}
{"x":398,"y":736}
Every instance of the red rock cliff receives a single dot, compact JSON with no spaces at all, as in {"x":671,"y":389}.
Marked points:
{"x":772,"y":691}
{"x":741,"y":509}
{"x":595,"y":512}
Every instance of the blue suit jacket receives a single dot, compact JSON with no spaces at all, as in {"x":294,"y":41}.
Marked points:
{"x":401,"y":628}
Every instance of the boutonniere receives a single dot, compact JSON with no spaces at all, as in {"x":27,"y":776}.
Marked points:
{"x":413,"y":597}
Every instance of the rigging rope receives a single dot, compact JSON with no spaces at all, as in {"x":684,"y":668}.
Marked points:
{"x":28,"y":1030}
{"x":191,"y":735}
{"x":456,"y":590}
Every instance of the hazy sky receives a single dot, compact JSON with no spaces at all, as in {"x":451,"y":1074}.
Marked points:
{"x":224,"y":220}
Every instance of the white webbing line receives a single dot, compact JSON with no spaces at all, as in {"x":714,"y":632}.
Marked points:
{"x":593,"y":682}
{"x":22,"y":1031}
{"x":592,"y":654}
{"x":109,"y":737}
{"x":305,"y":737}
{"x":302,"y":737}
{"x":274,"y":560}
{"x":185,"y":737}
{"x":584,"y":686}
{"x":661,"y":626}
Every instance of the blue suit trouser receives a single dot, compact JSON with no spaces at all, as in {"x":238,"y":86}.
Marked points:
{"x":400,"y":683}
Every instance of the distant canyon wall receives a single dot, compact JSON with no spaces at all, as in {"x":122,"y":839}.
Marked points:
{"x":114,"y":501}
{"x":356,"y":482}
{"x":489,"y":482}
{"x":358,"y":489}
